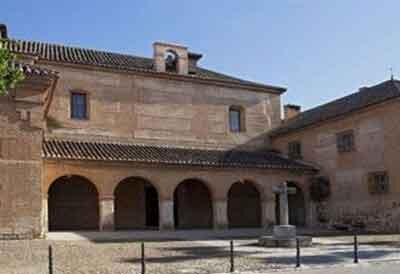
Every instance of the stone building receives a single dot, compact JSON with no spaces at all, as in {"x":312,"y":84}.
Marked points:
{"x":355,"y":142}
{"x":94,"y":140}
{"x":126,"y":142}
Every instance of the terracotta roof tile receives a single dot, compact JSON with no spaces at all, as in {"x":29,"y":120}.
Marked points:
{"x":365,"y":97}
{"x":75,"y":150}
{"x":35,"y":70}
{"x":76,"y":55}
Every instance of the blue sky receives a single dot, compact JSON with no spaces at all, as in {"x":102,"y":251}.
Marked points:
{"x":319,"y":50}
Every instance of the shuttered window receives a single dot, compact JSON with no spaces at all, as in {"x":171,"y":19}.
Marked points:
{"x":79,"y":106}
{"x":345,"y":141}
{"x":294,"y":150}
{"x":378,"y":182}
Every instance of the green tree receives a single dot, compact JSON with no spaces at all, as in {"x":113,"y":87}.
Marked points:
{"x":10,"y":74}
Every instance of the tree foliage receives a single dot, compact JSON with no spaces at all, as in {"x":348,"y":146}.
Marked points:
{"x":10,"y":74}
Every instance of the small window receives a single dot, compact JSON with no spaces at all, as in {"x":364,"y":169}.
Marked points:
{"x":236,"y":123}
{"x":378,"y":182}
{"x":345,"y":141}
{"x":79,"y":106}
{"x":294,"y":150}
{"x":171,"y":61}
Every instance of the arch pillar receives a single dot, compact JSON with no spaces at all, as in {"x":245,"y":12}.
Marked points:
{"x":268,"y":211}
{"x":309,"y":208}
{"x":167,"y":214}
{"x":45,"y":215}
{"x":220,"y":208}
{"x":106,"y":207}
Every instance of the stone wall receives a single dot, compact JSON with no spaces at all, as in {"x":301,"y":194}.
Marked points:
{"x":21,"y":171}
{"x":130,"y":107}
{"x":376,"y":132}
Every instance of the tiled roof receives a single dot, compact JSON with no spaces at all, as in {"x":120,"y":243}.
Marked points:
{"x":365,"y":97}
{"x":75,"y":150}
{"x":82,"y":56}
{"x":35,"y":70}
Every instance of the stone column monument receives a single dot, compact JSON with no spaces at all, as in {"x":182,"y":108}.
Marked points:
{"x":284,"y":234}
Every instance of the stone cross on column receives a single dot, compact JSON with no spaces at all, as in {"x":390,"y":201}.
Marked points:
{"x":283,"y":191}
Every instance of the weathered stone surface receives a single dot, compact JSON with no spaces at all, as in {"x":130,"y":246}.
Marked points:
{"x":151,"y":110}
{"x":376,"y":132}
{"x":285,"y":231}
{"x":271,"y":241}
{"x":21,"y":174}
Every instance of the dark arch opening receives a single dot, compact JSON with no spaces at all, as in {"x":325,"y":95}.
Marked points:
{"x":171,"y":61}
{"x":296,"y":202}
{"x":135,"y":205}
{"x":244,"y":205}
{"x":192,"y":205}
{"x":73,"y":204}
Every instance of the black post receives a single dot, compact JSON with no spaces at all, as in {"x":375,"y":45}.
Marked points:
{"x":355,"y":249}
{"x":143,"y":261}
{"x":298,"y":262}
{"x":232,"y":258}
{"x":50,"y":260}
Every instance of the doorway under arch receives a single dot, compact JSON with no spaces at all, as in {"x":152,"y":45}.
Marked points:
{"x":135,"y":205}
{"x":73,"y":204}
{"x":296,"y":202}
{"x":192,"y":205}
{"x":244,"y":205}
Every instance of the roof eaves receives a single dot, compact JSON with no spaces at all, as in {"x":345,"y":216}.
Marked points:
{"x":58,"y":53}
{"x":206,"y":80}
{"x":288,"y":127}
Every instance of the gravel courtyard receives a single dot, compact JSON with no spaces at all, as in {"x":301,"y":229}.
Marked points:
{"x":174,"y":257}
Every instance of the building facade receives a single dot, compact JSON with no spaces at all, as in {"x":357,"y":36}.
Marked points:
{"x":129,"y":142}
{"x":94,"y":140}
{"x":355,"y":142}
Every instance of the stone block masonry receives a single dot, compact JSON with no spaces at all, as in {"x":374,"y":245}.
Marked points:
{"x":20,"y":175}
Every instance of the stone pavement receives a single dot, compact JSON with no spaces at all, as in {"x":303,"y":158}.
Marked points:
{"x":376,"y":268}
{"x":187,"y":257}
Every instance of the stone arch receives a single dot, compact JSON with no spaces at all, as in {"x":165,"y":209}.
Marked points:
{"x":136,"y":204}
{"x":171,"y":58}
{"x":296,"y":203}
{"x":244,"y":205}
{"x":193,"y":205}
{"x":73,"y":204}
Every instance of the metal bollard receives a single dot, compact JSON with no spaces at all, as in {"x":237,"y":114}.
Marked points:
{"x":143,"y":260}
{"x":355,"y":249}
{"x":50,"y":260}
{"x":232,"y":258}
{"x":298,"y":262}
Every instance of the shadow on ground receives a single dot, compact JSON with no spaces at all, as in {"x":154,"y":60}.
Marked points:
{"x":327,"y":257}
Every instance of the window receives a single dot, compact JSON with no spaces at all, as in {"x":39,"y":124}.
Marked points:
{"x":171,"y":61}
{"x":79,"y":105}
{"x":236,"y":123}
{"x":294,"y":150}
{"x":378,"y":182}
{"x":345,"y":141}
